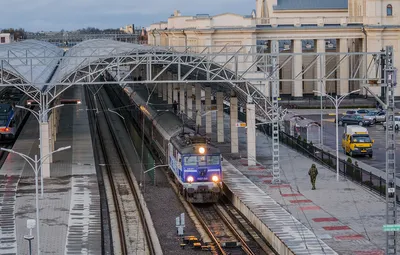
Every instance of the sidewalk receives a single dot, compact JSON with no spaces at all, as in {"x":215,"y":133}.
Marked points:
{"x":345,"y":216}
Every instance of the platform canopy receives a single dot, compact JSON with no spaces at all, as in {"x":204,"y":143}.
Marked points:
{"x":87,"y":61}
{"x":28,"y":62}
{"x":92,"y":51}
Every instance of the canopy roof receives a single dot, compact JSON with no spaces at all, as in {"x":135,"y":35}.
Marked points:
{"x":31,"y":60}
{"x":91,"y":51}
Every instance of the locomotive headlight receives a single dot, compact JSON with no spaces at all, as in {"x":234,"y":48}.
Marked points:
{"x":190,"y":179}
{"x":215,"y":178}
{"x":202,"y":150}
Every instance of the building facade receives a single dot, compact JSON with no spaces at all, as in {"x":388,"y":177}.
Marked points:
{"x":128,"y":29}
{"x":299,"y":26}
{"x":6,"y":38}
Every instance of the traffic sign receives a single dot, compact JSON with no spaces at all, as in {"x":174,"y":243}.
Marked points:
{"x":391,"y":227}
{"x":241,"y":124}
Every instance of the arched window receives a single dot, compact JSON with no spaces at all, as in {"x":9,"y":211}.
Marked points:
{"x":389,"y":10}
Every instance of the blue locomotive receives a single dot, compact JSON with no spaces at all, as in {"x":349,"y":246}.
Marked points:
{"x":11,"y":117}
{"x":194,"y":161}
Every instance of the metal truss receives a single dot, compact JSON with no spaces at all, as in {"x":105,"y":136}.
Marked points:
{"x":78,"y":37}
{"x":228,"y":67}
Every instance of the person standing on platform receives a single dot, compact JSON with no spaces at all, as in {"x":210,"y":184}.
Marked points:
{"x":313,"y":172}
{"x":175,"y":106}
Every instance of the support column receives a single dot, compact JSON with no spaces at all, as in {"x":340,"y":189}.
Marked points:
{"x":234,"y":128}
{"x":297,"y":90}
{"x":220,"y":117}
{"x":170,"y":87}
{"x":182,"y":107}
{"x":208,"y":108}
{"x":159,"y":90}
{"x":51,"y":128}
{"x":175,"y":90}
{"x":343,"y":87}
{"x":198,"y":104}
{"x":189,"y":100}
{"x":251,"y":134}
{"x":164,"y":91}
{"x":45,"y":150}
{"x":321,"y":84}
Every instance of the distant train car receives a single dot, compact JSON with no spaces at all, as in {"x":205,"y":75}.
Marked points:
{"x":11,"y":117}
{"x":194,"y":161}
{"x":296,"y":125}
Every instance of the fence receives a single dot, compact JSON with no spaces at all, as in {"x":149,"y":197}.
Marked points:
{"x":346,"y":168}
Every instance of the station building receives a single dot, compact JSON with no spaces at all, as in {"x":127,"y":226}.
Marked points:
{"x":6,"y":38}
{"x":299,"y":26}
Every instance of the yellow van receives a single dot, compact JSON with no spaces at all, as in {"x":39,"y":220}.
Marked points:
{"x":356,"y":141}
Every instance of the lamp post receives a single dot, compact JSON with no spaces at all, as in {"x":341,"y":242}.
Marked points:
{"x":336,"y":102}
{"x":39,"y":117}
{"x":153,"y":168}
{"x":34,"y":163}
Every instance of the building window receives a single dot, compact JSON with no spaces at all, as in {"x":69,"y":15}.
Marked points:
{"x":3,"y":40}
{"x":389,"y":10}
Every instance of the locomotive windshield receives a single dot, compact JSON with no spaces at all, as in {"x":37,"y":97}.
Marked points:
{"x":190,"y":161}
{"x":213,"y":160}
{"x":201,"y":160}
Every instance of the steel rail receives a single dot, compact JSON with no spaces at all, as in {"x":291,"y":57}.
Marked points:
{"x":129,"y":177}
{"x":118,"y":213}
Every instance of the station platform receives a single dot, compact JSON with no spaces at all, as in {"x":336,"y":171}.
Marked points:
{"x":70,"y":218}
{"x":338,"y":217}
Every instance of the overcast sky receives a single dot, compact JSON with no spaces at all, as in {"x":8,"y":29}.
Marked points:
{"x":54,"y":15}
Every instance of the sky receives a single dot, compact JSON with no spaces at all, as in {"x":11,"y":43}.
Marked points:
{"x":54,"y":15}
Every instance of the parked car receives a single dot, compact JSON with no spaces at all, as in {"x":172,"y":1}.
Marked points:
{"x":350,"y":112}
{"x":375,"y":116}
{"x":396,"y":123}
{"x":361,"y":112}
{"x":354,"y":119}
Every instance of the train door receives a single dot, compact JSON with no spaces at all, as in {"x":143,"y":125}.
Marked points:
{"x":179,"y":164}
{"x":170,"y":153}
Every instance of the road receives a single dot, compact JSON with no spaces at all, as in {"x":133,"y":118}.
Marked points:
{"x":376,"y":132}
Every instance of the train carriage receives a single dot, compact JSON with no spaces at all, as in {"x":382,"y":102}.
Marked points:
{"x":194,"y":161}
{"x":11,"y":117}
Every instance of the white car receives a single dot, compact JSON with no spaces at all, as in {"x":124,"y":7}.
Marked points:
{"x":396,"y":123}
{"x":375,"y":116}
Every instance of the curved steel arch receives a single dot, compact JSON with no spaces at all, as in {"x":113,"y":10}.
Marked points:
{"x":188,"y":66}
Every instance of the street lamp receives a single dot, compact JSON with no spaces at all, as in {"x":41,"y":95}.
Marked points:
{"x":153,"y":168}
{"x":35,"y":167}
{"x":336,"y":102}
{"x":39,"y":117}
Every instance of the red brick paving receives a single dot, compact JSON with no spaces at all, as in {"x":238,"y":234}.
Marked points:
{"x":330,"y":228}
{"x":280,"y":186}
{"x":325,"y":219}
{"x":349,"y":237}
{"x":309,"y":208}
{"x":292,"y":195}
{"x":369,"y":253}
{"x":300,"y":201}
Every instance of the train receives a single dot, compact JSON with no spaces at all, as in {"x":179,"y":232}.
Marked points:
{"x":194,"y":161}
{"x":11,"y":117}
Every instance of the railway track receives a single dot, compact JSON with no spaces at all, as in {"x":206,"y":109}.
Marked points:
{"x":228,"y":231}
{"x":130,"y":232}
{"x":230,"y":234}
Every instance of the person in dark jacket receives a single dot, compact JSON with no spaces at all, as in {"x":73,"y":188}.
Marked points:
{"x":313,"y":172}
{"x":175,"y":106}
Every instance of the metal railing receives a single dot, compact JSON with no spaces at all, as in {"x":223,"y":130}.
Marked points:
{"x":347,"y":169}
{"x":309,"y":20}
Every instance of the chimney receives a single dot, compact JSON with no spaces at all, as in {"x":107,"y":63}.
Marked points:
{"x":177,"y":13}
